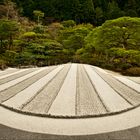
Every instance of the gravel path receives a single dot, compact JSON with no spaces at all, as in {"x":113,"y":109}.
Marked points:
{"x":15,"y":75}
{"x":43,"y":101}
{"x":71,"y":127}
{"x":129,"y":94}
{"x":111,"y":99}
{"x":24,"y":96}
{"x":31,"y":78}
{"x":88,"y":101}
{"x":129,"y":83}
{"x":64,"y":104}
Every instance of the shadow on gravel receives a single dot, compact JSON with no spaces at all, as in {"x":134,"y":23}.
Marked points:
{"x":7,"y":133}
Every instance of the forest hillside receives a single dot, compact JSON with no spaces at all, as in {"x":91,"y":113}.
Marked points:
{"x":104,"y":33}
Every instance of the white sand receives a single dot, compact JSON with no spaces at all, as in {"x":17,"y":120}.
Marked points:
{"x":129,"y":83}
{"x":90,"y":126}
{"x":135,"y":79}
{"x":10,"y":74}
{"x":42,"y":102}
{"x":8,"y":71}
{"x":112,"y":100}
{"x":64,"y":104}
{"x":88,"y":101}
{"x":101,"y":70}
{"x":13,"y":82}
{"x":22,"y":97}
{"x":127,"y":93}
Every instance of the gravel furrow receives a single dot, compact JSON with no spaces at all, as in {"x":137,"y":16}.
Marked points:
{"x":43,"y":101}
{"x":24,"y":96}
{"x":15,"y":75}
{"x":18,"y":80}
{"x":64,"y":104}
{"x":8,"y":71}
{"x":129,"y":83}
{"x":88,"y":102}
{"x":127,"y":93}
{"x":135,"y":79}
{"x":111,"y":99}
{"x":30,"y":79}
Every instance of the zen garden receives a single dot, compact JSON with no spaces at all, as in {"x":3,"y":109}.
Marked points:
{"x":69,"y":69}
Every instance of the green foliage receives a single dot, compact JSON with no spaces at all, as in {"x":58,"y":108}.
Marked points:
{"x":81,"y":11}
{"x":9,"y":57}
{"x":38,"y":14}
{"x":68,"y":23}
{"x":122,"y":33}
{"x":28,"y":36}
{"x":72,"y":39}
{"x":134,"y":71}
{"x":116,"y":42}
{"x":8,"y":30}
{"x":114,"y":45}
{"x":2,"y":64}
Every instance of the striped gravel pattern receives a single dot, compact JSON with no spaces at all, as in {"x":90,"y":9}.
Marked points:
{"x":68,"y":90}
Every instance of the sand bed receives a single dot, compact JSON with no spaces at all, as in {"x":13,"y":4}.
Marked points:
{"x":67,"y":91}
{"x":17,"y":87}
{"x":111,"y":99}
{"x":128,"y":93}
{"x":43,"y":101}
{"x":88,"y":101}
{"x":15,"y":75}
{"x":135,"y":79}
{"x":129,"y":83}
{"x":8,"y":71}
{"x":64,"y":104}
{"x":24,"y":96}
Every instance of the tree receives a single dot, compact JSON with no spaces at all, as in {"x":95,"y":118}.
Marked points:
{"x":38,"y":14}
{"x":72,"y":39}
{"x":68,"y":23}
{"x":113,"y":41}
{"x":8,"y":30}
{"x":8,"y":10}
{"x":99,"y":16}
{"x":122,"y":32}
{"x":113,"y":10}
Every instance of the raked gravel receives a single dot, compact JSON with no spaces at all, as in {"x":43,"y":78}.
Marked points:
{"x":8,"y":71}
{"x":111,"y":99}
{"x":31,"y":78}
{"x":15,"y":75}
{"x":129,"y":94}
{"x":135,"y":79}
{"x":65,"y":101}
{"x":69,"y":90}
{"x":18,"y":80}
{"x":44,"y":99}
{"x":88,"y":101}
{"x":24,"y":96}
{"x":129,"y":83}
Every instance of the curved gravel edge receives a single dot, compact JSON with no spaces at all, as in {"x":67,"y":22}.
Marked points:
{"x":67,"y":117}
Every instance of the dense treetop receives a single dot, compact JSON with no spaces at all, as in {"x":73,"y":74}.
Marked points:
{"x":92,"y":11}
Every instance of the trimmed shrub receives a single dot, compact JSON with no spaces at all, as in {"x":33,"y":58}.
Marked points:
{"x":134,"y":71}
{"x":3,"y":65}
